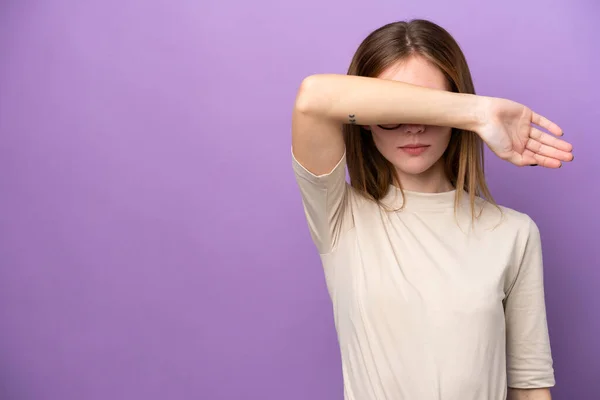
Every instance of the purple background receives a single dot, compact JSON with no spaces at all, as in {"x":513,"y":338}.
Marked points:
{"x":152,"y":240}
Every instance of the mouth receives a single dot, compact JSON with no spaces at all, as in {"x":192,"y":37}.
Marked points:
{"x":414,"y":149}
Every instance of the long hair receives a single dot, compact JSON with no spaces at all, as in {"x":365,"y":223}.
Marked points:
{"x":370,"y":172}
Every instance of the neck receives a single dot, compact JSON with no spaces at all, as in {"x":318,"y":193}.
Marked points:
{"x":433,"y":180}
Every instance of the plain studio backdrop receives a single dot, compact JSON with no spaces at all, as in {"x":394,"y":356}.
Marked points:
{"x":152,"y":238}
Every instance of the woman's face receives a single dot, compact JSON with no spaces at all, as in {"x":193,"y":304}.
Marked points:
{"x":414,"y":149}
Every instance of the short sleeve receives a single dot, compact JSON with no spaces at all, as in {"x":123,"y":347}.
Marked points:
{"x":529,"y":359}
{"x":325,"y":201}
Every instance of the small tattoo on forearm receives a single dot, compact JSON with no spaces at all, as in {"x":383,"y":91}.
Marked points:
{"x":352,"y":119}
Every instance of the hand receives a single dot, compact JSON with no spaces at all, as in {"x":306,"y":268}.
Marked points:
{"x":507,"y":129}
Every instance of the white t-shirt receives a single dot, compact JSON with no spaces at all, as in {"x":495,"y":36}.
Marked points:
{"x":427,"y":305}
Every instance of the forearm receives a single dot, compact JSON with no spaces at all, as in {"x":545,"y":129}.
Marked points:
{"x":529,"y":394}
{"x":372,"y":101}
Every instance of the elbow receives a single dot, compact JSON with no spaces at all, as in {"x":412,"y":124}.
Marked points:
{"x":308,"y":99}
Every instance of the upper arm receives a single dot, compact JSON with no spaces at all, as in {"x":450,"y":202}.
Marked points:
{"x":529,"y":394}
{"x":319,"y":164}
{"x":317,"y":141}
{"x":326,"y":203}
{"x":528,"y":352}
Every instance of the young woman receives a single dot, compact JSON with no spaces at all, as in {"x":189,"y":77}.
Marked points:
{"x":437,"y":291}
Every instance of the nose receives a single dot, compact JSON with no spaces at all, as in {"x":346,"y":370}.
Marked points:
{"x":413,"y":129}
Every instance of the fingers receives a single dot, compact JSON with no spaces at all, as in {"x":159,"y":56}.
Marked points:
{"x":521,"y":160}
{"x":548,"y":151}
{"x":530,"y":158}
{"x":546,"y":162}
{"x":542,"y":148}
{"x":542,"y":155}
{"x":549,"y":140}
{"x":546,"y":124}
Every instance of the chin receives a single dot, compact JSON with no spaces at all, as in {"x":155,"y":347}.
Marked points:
{"x":415,"y":167}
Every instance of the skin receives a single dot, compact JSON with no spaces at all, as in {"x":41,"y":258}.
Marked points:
{"x":529,"y":394}
{"x":424,"y":172}
{"x":413,"y":93}
{"x":326,"y":101}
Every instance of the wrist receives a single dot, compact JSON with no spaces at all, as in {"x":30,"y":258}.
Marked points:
{"x":476,"y":113}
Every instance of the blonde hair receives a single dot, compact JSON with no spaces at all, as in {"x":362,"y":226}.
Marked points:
{"x":370,"y":172}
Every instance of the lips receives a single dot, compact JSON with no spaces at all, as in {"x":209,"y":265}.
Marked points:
{"x":414,"y":149}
